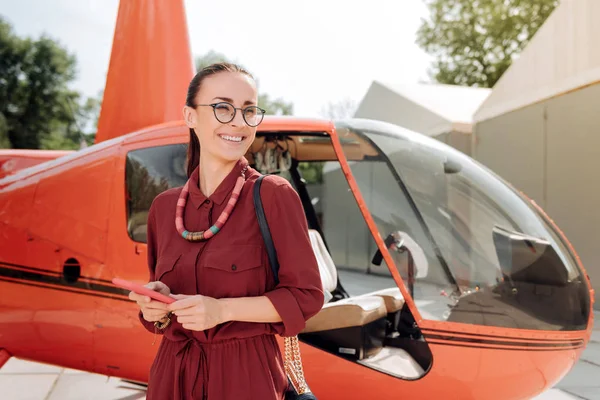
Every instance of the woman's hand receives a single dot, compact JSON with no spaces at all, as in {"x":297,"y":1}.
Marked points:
{"x":197,"y":313}
{"x":152,"y":310}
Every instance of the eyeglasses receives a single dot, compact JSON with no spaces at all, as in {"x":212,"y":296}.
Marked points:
{"x":225,"y":113}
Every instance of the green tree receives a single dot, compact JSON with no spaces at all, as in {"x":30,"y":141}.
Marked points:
{"x":37,"y":109}
{"x":276,"y":106}
{"x":4,"y":142}
{"x":475,"y":41}
{"x":211,"y":57}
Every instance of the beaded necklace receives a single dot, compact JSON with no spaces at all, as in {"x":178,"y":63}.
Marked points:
{"x":213,"y":230}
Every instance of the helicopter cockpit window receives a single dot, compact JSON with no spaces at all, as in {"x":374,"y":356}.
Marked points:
{"x":479,"y":253}
{"x":148,"y":172}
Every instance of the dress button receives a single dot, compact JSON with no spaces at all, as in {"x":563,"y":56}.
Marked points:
{"x":206,"y":201}
{"x":233,"y":267}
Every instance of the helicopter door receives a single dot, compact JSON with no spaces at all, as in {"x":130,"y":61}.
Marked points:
{"x":65,"y":259}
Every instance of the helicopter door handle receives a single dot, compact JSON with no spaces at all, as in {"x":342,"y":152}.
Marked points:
{"x":389,"y":241}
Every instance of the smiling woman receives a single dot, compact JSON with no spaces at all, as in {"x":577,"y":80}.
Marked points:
{"x":215,"y":134}
{"x":205,"y":250}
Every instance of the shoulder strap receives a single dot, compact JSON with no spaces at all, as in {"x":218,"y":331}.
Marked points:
{"x":264,"y":230}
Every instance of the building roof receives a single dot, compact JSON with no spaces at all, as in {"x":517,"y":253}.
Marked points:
{"x":429,"y":108}
{"x":562,"y":56}
{"x":457,"y":104}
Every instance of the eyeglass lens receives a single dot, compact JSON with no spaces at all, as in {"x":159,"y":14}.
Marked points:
{"x":225,"y":112}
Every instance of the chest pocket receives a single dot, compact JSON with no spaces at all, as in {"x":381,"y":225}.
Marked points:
{"x":234,"y":271}
{"x":168,"y":272}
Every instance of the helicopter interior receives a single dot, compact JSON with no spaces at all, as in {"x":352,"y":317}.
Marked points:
{"x":365,"y":319}
{"x":371,"y":327}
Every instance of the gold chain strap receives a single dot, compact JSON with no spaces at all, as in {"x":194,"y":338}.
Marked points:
{"x":293,"y":364}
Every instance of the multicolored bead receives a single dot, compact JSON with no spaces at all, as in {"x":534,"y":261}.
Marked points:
{"x":213,"y":230}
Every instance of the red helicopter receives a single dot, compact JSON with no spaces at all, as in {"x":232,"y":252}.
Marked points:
{"x":442,"y":281}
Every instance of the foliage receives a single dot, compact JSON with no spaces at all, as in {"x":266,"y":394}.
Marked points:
{"x":142,"y":187}
{"x":475,"y":41}
{"x":4,"y":142}
{"x":312,"y":172}
{"x":37,"y":109}
{"x":141,"y":190}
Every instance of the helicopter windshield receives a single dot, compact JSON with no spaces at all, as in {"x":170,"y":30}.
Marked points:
{"x":469,"y":248}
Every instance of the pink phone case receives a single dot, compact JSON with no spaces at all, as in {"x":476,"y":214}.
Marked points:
{"x":144,"y":291}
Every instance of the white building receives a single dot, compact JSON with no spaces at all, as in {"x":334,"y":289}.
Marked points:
{"x":441,"y":111}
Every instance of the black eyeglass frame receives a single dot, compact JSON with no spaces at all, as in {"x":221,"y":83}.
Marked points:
{"x":214,"y":107}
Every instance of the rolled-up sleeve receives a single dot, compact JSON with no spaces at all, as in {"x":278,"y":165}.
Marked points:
{"x":299,"y":294}
{"x":151,"y":246}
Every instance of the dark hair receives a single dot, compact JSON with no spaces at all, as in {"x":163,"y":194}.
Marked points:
{"x":193,"y":152}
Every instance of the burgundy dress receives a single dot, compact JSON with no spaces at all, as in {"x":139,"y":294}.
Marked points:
{"x":235,"y":360}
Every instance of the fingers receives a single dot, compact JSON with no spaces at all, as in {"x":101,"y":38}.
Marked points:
{"x":160,"y":287}
{"x":185,"y":303}
{"x":189,"y":319}
{"x":180,"y":296}
{"x":153,"y":315}
{"x":196,"y":309}
{"x":152,"y":310}
{"x":146,"y":303}
{"x":155,"y":305}
{"x":138,"y":297}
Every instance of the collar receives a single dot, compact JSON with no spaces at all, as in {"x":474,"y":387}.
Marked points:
{"x":223,"y":190}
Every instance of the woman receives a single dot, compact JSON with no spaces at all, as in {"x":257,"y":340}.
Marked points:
{"x":218,"y":337}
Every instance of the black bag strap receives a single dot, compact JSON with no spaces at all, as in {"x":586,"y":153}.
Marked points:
{"x":266,"y":234}
{"x":264,"y":229}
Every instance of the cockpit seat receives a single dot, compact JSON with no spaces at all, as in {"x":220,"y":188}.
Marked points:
{"x":355,"y":311}
{"x":327,"y":267}
{"x":354,"y":327}
{"x":392,"y":297}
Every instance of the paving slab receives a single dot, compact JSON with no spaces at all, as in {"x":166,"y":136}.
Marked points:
{"x":583,"y":375}
{"x":555,"y":394}
{"x":18,"y":366}
{"x":584,"y":393}
{"x":94,"y":387}
{"x":26,"y":386}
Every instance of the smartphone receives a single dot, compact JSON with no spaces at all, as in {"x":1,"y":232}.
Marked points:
{"x":144,"y":291}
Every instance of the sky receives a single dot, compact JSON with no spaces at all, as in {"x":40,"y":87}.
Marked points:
{"x":310,"y":52}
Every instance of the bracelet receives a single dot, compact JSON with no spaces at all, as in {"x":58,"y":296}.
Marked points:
{"x":162,"y":325}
